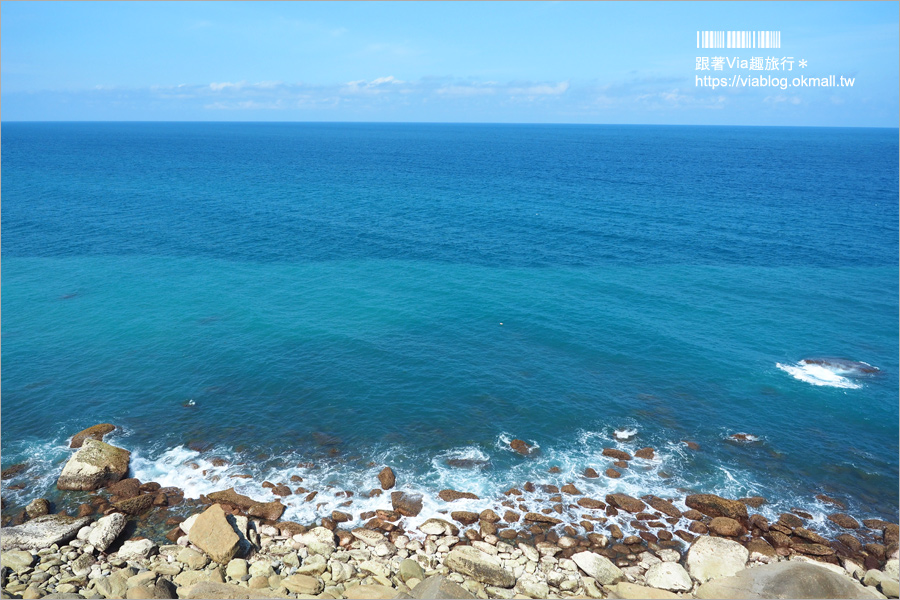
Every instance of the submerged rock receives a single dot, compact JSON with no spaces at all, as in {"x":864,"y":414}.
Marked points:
{"x":95,"y":465}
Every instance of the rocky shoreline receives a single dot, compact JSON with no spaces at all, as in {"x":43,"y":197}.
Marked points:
{"x":233,"y":546}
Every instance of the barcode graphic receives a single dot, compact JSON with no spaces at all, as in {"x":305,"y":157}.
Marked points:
{"x":739,"y":39}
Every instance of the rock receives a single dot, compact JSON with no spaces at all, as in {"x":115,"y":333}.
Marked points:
{"x":41,"y":532}
{"x":645,"y":453}
{"x":213,"y":534}
{"x":890,"y":587}
{"x":136,"y":549}
{"x":760,"y":550}
{"x":480,"y":566}
{"x":591,"y":473}
{"x":37,"y":507}
{"x":368,"y":536}
{"x":788,"y":579}
{"x":451,"y":495}
{"x":789,"y":520}
{"x":95,"y":465}
{"x":617,"y":454}
{"x":407,"y":504}
{"x":716,"y":506}
{"x":845,"y":521}
{"x":891,"y":533}
{"x":632,"y":591}
{"x":95,"y":432}
{"x":590,"y":503}
{"x":370,"y":592}
{"x":541,"y":518}
{"x":340,"y":517}
{"x":726,"y":526}
{"x":709,"y":558}
{"x":759,"y":522}
{"x":599,"y":567}
{"x":410,"y":569}
{"x":17,"y":560}
{"x":892,"y":568}
{"x":489,"y":515}
{"x":236,"y":569}
{"x":136,"y":505}
{"x":438,"y":527}
{"x":669,"y":576}
{"x":532,"y":588}
{"x":387,"y":478}
{"x":270,"y":511}
{"x":753,"y":501}
{"x":465,"y":517}
{"x":438,"y":586}
{"x":521,"y":447}
{"x":813,"y":549}
{"x":303,"y":584}
{"x":612,"y":473}
{"x":223,"y":591}
{"x":139,"y":593}
{"x":625,"y":502}
{"x":195,"y":560}
{"x":663,"y":506}
{"x":810,"y":535}
{"x":125,"y":488}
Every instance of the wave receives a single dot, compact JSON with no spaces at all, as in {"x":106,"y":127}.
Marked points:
{"x":822,"y":373}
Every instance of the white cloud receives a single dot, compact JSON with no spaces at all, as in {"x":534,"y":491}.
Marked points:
{"x":541,"y":90}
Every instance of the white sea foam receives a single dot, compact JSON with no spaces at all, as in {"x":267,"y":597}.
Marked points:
{"x":816,"y":374}
{"x":624,"y":434}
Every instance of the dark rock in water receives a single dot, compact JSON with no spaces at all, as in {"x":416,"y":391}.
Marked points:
{"x":539,"y":518}
{"x":521,"y":446}
{"x":85,"y":510}
{"x":625,"y":502}
{"x":95,"y":432}
{"x":467,"y":463}
{"x":464,"y":516}
{"x":645,"y":453}
{"x":326,"y":439}
{"x":845,"y":521}
{"x":726,"y":526}
{"x":41,"y":532}
{"x":390,"y":516}
{"x":891,"y":534}
{"x":451,"y":495}
{"x":615,"y":532}
{"x":753,"y":501}
{"x":126,"y":488}
{"x":94,"y":465}
{"x":12,"y":471}
{"x":554,"y":470}
{"x":37,"y":507}
{"x":617,"y":454}
{"x":716,"y":506}
{"x":489,"y":515}
{"x":663,"y":506}
{"x":151,"y":486}
{"x":876,"y":524}
{"x":407,"y":504}
{"x":590,"y":503}
{"x":340,"y":517}
{"x":570,"y":489}
{"x":136,"y":505}
{"x":876,"y":550}
{"x":743,"y":437}
{"x":612,"y":473}
{"x":830,"y":500}
{"x":528,"y":487}
{"x":691,"y":445}
{"x":621,"y":464}
{"x":591,"y":473}
{"x":801,"y":513}
{"x":790,"y":520}
{"x":685,"y":535}
{"x":270,"y":511}
{"x":281,"y":490}
{"x":386,"y":478}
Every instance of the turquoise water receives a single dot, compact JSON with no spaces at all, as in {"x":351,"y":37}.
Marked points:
{"x":359,"y":295}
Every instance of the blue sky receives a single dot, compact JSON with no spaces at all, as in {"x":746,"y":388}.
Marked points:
{"x":551,"y":62}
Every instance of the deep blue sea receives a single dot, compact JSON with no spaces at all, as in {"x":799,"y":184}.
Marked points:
{"x":325,"y":299}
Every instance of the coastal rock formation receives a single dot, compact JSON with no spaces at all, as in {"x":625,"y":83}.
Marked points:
{"x":451,"y":495}
{"x":617,"y":454}
{"x":96,"y":432}
{"x":710,"y":558}
{"x":716,"y":506}
{"x":845,"y":521}
{"x":106,"y":530}
{"x":669,"y":576}
{"x":599,"y":567}
{"x":213,"y":534}
{"x":41,"y":532}
{"x":386,"y":478}
{"x":270,"y":511}
{"x":95,"y":465}
{"x":625,"y":502}
{"x":521,"y":446}
{"x":480,"y":566}
{"x":784,"y":580}
{"x":407,"y":504}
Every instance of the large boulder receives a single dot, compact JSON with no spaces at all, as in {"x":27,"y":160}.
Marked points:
{"x":386,"y":478}
{"x":784,"y":580}
{"x":95,"y":465}
{"x":480,"y":566}
{"x":213,"y":534}
{"x":95,"y":432}
{"x":625,"y":502}
{"x":438,"y":586}
{"x":407,"y":504}
{"x":18,"y":560}
{"x":716,"y":506}
{"x":211,"y":590}
{"x":669,"y":576}
{"x":599,"y":567}
{"x":41,"y":532}
{"x":712,"y":557}
{"x":106,"y":530}
{"x":270,"y":511}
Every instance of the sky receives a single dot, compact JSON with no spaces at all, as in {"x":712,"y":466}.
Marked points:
{"x":503,"y":62}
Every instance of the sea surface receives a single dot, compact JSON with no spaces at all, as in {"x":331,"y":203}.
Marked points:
{"x":323,"y":300}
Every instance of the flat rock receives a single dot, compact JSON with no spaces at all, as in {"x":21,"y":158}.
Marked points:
{"x":224,"y":591}
{"x":438,"y":527}
{"x":95,"y":432}
{"x":213,"y":534}
{"x":726,"y":526}
{"x":136,"y":505}
{"x":370,"y":592}
{"x":669,"y":576}
{"x":845,"y":521}
{"x":617,"y":454}
{"x":480,"y":566}
{"x":17,"y":560}
{"x":271,"y":511}
{"x":663,"y":506}
{"x":407,"y":504}
{"x":465,"y":517}
{"x":784,"y":580}
{"x":438,"y":586}
{"x":369,"y":537}
{"x":41,"y":532}
{"x":711,"y":558}
{"x":599,"y":567}
{"x":541,"y":518}
{"x":625,"y":502}
{"x":93,"y":466}
{"x":106,"y":530}
{"x":137,"y":549}
{"x":303,"y":584}
{"x":632,"y":591}
{"x":451,"y":495}
{"x":716,"y":506}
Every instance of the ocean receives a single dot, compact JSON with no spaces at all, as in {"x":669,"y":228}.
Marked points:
{"x":322,"y":300}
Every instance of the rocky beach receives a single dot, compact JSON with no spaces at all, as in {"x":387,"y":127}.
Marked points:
{"x":123,"y":538}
